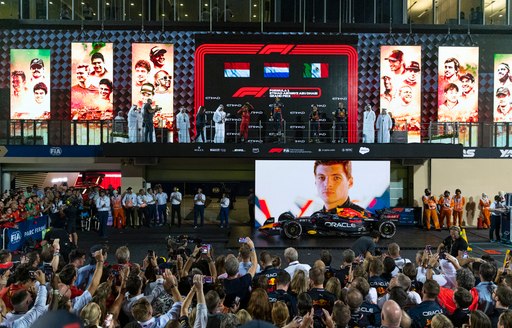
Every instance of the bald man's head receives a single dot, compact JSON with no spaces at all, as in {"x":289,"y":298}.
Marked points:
{"x":391,"y":314}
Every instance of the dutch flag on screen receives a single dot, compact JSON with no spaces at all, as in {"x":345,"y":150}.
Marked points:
{"x":237,"y":70}
{"x":316,"y":70}
{"x":277,"y":70}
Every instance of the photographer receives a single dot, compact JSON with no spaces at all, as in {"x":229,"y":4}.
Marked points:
{"x":147,"y":115}
{"x":23,"y":316}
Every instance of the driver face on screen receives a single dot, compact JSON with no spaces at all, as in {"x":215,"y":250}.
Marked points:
{"x":332,"y":184}
{"x":39,"y":96}
{"x":449,"y":69}
{"x":141,"y":75}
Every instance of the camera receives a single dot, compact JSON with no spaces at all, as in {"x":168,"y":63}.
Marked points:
{"x":442,"y":256}
{"x":207,"y":280}
{"x":242,"y":240}
{"x":32,"y":274}
{"x":151,"y":253}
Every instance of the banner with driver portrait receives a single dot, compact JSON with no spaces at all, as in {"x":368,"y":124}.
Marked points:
{"x":304,"y":187}
{"x":92,"y":81}
{"x":400,"y":87}
{"x":457,"y":90}
{"x":30,"y":84}
{"x":152,"y":78}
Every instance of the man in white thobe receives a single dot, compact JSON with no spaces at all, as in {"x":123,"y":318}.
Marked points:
{"x":369,"y":125}
{"x":384,"y":125}
{"x":219,"y":117}
{"x":133,"y":126}
{"x":183,"y":126}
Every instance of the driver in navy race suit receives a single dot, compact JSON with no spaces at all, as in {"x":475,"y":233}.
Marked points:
{"x":333,"y":179}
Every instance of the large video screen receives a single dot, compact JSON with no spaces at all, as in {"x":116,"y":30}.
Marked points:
{"x":30,"y":84}
{"x":457,"y":95}
{"x":92,"y":88}
{"x":300,"y":75}
{"x":293,"y":186}
{"x":152,"y":78}
{"x":400,"y":87}
{"x":502,"y":88}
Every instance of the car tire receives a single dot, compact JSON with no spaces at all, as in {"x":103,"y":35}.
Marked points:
{"x":287,"y":216}
{"x":387,"y":229}
{"x":292,"y":229}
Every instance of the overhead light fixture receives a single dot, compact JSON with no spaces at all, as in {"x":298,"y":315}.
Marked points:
{"x":496,"y":13}
{"x":423,"y":13}
{"x":490,"y":3}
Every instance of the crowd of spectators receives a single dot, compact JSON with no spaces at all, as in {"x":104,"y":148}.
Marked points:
{"x":190,"y":286}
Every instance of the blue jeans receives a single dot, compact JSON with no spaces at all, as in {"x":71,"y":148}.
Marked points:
{"x":223,"y":215}
{"x":103,"y":218}
{"x":148,"y":131}
{"x":198,"y":211}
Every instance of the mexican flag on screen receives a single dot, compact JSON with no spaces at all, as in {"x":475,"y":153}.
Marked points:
{"x":316,"y":70}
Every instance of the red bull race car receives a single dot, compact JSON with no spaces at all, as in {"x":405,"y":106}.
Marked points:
{"x":343,"y":222}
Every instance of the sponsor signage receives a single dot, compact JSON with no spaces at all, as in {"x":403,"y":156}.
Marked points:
{"x":14,"y":239}
{"x":292,"y":151}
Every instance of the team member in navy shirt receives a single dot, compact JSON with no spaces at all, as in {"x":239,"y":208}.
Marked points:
{"x":281,"y":294}
{"x":422,"y":314}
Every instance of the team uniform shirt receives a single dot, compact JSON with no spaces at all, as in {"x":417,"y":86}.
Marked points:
{"x":239,"y":287}
{"x":380,"y":284}
{"x":199,"y":199}
{"x":176,"y":198}
{"x":342,"y":275}
{"x":322,"y":299}
{"x":288,"y":299}
{"x":329,"y":273}
{"x":161,"y":198}
{"x":103,"y":204}
{"x":461,"y":317}
{"x":422,"y":314}
{"x":358,"y":320}
{"x":271,"y":273}
{"x":130,"y":200}
{"x":371,"y":313}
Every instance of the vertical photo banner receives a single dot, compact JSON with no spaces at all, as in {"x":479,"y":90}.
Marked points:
{"x":457,"y":95}
{"x":92,"y":89}
{"x":502,"y":88}
{"x":30,"y":84}
{"x":400,"y":87}
{"x":152,"y":78}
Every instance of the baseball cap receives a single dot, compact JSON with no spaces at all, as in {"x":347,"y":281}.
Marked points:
{"x":396,"y":55}
{"x":36,"y":61}
{"x":467,"y":76}
{"x":413,"y":66}
{"x":503,"y":91}
{"x":156,"y":50}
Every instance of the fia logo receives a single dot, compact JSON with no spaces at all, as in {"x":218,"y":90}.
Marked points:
{"x":506,"y":153}
{"x":364,"y":150}
{"x":469,"y":153}
{"x":55,"y":151}
{"x":16,"y":237}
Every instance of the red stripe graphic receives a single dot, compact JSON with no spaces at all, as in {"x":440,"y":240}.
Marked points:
{"x":277,"y":65}
{"x":237,"y":65}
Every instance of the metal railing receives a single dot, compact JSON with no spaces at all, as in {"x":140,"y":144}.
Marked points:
{"x":56,"y":132}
